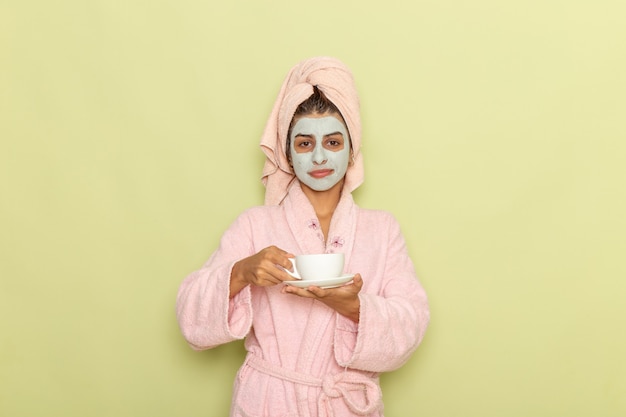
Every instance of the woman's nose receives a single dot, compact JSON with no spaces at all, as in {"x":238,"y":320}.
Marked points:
{"x":319,"y":156}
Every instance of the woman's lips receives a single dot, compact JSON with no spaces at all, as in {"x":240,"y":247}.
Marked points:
{"x":320,"y":173}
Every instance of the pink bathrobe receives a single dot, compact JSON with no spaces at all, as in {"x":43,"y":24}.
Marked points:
{"x":304,"y":359}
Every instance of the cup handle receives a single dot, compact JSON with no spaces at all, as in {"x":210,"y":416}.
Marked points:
{"x":295,"y":273}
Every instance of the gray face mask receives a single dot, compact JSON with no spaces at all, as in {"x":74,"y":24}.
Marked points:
{"x":320,"y":151}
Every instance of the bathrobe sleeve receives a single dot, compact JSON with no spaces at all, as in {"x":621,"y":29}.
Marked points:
{"x":393,"y":319}
{"x":206,"y":316}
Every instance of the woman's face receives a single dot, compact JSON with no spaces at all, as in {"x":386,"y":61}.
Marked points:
{"x":320,"y":150}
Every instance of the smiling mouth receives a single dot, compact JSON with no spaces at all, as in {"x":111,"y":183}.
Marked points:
{"x":321,"y":173}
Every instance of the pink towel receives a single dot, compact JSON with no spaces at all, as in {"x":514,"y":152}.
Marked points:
{"x":335,"y":80}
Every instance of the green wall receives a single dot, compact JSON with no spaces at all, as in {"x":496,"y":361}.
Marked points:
{"x":495,"y":131}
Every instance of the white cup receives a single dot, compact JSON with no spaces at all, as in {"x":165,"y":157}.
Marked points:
{"x":317,"y":266}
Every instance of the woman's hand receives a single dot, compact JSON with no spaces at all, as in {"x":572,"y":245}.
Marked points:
{"x":263,"y":269}
{"x":345,"y":299}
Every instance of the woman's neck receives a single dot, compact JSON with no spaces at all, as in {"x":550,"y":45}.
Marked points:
{"x":324,"y":203}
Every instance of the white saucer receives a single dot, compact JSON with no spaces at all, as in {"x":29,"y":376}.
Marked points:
{"x":322,"y":283}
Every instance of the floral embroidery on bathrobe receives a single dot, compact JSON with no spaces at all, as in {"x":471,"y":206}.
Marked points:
{"x":304,"y":359}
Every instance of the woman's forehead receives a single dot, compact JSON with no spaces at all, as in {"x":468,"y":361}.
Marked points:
{"x":322,"y":125}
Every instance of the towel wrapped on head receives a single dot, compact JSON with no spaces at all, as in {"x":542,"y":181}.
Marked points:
{"x":334,"y":79}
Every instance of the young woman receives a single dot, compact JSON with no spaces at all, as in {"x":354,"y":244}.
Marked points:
{"x":311,"y":351}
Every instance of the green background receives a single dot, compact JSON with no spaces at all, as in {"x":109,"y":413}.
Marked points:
{"x":494,"y":130}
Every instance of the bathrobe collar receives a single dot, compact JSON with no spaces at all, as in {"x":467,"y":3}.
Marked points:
{"x":305,"y":225}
